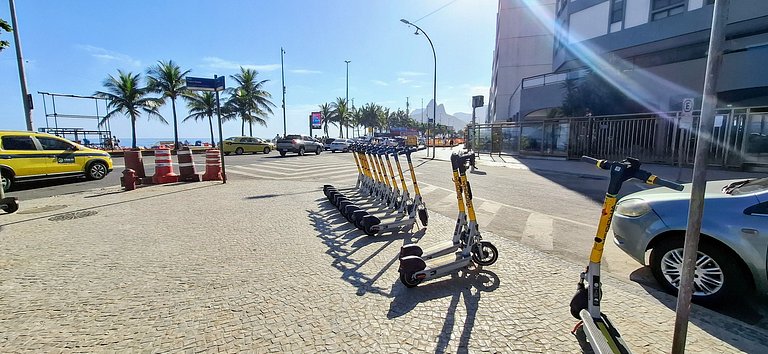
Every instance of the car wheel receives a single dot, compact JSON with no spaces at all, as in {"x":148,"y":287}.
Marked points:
{"x":282,"y":153}
{"x":716,"y":278}
{"x":301,"y":151}
{"x":226,"y":153}
{"x":266,"y":150}
{"x":7,"y":181}
{"x":318,"y":151}
{"x":96,"y":171}
{"x":239,"y":151}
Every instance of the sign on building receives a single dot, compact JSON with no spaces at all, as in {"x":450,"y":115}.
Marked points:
{"x":686,"y":117}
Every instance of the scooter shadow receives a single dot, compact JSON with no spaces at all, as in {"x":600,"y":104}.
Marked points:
{"x":469,"y":285}
{"x":462,"y":282}
{"x":343,"y":241}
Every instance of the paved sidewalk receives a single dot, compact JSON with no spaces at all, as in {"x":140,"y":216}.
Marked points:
{"x":579,"y":168}
{"x":270,"y":266}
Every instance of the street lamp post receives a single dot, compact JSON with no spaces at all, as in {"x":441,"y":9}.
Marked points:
{"x":434,"y":83}
{"x":25,"y":96}
{"x":346,"y":99}
{"x":282,"y":73}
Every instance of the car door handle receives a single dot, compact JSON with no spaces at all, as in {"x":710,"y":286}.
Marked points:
{"x":750,"y":231}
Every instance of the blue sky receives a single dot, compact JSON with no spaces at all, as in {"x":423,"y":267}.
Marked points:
{"x":71,"y":46}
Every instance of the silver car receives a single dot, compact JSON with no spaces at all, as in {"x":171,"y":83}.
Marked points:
{"x":733,"y":244}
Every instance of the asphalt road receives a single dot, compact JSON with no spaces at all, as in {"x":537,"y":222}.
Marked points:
{"x":553,"y":212}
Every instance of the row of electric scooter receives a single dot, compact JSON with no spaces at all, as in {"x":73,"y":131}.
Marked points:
{"x":377,"y":204}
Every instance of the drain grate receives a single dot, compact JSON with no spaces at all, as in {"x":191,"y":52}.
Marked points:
{"x":73,"y":215}
{"x":42,"y":209}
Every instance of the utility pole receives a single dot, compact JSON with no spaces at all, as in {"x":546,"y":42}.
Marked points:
{"x":699,"y":182}
{"x":282,"y":73}
{"x":25,"y":96}
{"x":346,"y":99}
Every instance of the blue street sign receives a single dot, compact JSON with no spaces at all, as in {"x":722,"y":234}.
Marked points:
{"x":205,"y":84}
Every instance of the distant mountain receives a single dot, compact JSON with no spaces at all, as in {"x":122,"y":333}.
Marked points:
{"x":442,"y":117}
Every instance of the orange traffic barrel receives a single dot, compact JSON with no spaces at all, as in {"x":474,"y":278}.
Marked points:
{"x":212,"y":166}
{"x":187,"y":166}
{"x":164,"y":167}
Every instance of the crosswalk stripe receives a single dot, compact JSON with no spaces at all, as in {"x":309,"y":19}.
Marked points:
{"x":300,"y":172}
{"x":555,"y":217}
{"x":230,"y":170}
{"x":538,"y":231}
{"x":425,"y":188}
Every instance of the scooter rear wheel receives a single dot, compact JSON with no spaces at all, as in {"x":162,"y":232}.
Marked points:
{"x":487,"y":251}
{"x":408,"y":280}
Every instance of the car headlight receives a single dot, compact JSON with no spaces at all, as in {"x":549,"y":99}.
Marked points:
{"x":633,"y":207}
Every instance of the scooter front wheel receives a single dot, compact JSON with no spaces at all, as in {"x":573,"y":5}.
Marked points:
{"x":408,"y":280}
{"x":484,"y":253}
{"x":423,"y":216}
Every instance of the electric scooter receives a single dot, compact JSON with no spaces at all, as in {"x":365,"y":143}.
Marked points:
{"x":415,"y":269}
{"x":460,"y":232}
{"x":361,"y":176}
{"x":383,"y":193}
{"x":603,"y":337}
{"x":372,"y":186}
{"x":399,"y":202}
{"x":373,"y":225}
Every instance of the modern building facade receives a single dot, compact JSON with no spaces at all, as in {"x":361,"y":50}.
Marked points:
{"x":653,"y":51}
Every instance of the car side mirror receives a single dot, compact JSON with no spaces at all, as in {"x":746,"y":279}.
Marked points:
{"x":72,"y":148}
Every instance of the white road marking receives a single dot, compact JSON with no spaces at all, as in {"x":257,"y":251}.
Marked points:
{"x":522,"y":209}
{"x":425,"y":188}
{"x":539,"y":231}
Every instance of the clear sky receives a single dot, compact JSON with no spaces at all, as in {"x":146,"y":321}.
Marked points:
{"x":71,"y":46}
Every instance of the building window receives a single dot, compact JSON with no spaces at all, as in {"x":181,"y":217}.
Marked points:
{"x":665,"y":8}
{"x":617,"y":11}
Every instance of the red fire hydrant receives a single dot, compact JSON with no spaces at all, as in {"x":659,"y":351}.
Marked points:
{"x":129,"y":179}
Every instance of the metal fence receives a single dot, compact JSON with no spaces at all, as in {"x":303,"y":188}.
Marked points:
{"x":739,"y":137}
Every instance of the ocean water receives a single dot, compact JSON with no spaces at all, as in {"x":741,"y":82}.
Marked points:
{"x":149,"y":142}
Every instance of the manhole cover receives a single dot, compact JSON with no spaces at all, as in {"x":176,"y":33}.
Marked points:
{"x":73,"y":215}
{"x":42,"y":209}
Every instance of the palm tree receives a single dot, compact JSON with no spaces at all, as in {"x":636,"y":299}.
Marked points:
{"x":167,"y":79}
{"x":250,"y":99}
{"x":327,"y":112}
{"x":4,"y":26}
{"x":201,"y":106}
{"x":124,"y":95}
{"x":340,"y":113}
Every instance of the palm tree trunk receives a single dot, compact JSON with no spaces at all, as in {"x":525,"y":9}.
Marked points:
{"x":133,"y":133}
{"x":341,"y":128}
{"x":210,"y":124}
{"x":242,"y":128}
{"x":175,"y":126}
{"x":250,"y":129}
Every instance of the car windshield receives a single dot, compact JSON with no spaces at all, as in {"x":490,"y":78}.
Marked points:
{"x":231,"y":138}
{"x":747,"y":186}
{"x":293,"y":136}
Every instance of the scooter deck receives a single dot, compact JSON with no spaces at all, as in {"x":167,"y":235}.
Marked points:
{"x":602,"y":335}
{"x":438,"y":249}
{"x":444,"y":260}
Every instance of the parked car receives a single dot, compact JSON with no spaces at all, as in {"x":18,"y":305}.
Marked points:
{"x":327,"y":143}
{"x":243,"y":144}
{"x":27,"y":155}
{"x":733,"y":244}
{"x":341,"y":145}
{"x":300,"y":144}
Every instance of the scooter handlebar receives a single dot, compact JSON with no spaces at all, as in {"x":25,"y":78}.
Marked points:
{"x":652,"y":179}
{"x":599,"y":163}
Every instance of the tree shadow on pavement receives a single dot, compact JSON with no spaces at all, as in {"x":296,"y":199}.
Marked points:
{"x":468,"y":284}
{"x":747,"y":310}
{"x":344,"y":240}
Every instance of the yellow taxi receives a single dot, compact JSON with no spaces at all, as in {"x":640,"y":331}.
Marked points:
{"x":30,"y":155}
{"x":243,"y":144}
